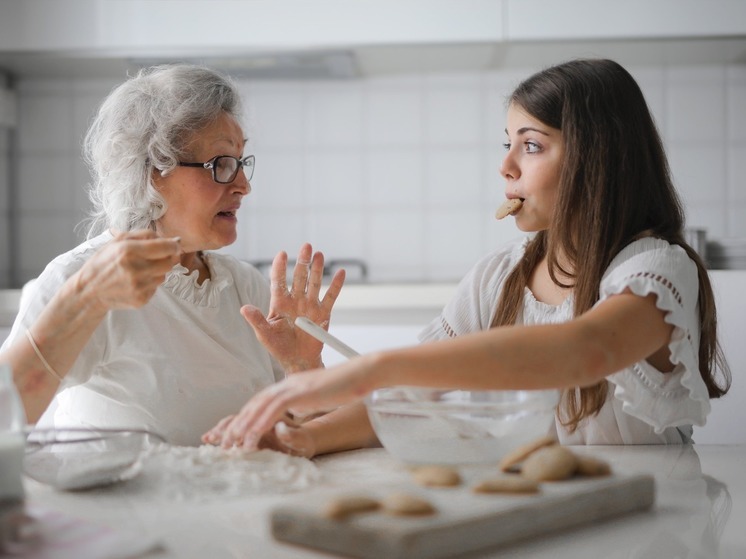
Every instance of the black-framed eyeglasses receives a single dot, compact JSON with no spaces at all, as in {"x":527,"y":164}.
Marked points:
{"x":225,"y":167}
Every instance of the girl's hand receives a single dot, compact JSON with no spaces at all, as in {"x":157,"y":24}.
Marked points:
{"x":287,"y":436}
{"x":293,"y":348}
{"x":126,"y":272}
{"x":303,"y":393}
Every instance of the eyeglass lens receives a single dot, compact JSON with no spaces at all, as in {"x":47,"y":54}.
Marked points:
{"x":226,"y":168}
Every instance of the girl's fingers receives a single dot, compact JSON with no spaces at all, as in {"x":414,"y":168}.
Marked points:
{"x":259,"y":416}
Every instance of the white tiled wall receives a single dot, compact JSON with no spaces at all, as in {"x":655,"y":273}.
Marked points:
{"x":401,"y":172}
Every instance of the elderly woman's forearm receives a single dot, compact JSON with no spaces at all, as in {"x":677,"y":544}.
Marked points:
{"x":59,"y":333}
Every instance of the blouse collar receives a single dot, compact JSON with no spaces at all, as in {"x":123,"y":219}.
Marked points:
{"x":185,"y":284}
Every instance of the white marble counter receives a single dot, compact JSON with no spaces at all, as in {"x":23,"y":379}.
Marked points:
{"x":700,"y":510}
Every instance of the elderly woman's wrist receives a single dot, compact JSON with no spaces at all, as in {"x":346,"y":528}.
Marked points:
{"x":83,"y":298}
{"x":300,"y":365}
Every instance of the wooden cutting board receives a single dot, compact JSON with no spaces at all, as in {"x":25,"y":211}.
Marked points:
{"x":464,"y":521}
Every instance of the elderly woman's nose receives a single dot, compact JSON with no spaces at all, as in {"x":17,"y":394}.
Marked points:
{"x":241,"y":184}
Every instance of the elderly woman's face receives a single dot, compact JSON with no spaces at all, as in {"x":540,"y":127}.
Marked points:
{"x":201,"y":211}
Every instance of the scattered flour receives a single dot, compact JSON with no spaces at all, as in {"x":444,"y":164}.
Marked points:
{"x":208,"y":472}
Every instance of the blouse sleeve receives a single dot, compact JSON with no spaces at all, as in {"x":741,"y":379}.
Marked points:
{"x":474,"y":302}
{"x":679,"y":397}
{"x":38,"y":294}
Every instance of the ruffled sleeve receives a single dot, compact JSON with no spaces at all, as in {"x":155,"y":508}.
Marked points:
{"x":659,"y":399}
{"x":474,"y":302}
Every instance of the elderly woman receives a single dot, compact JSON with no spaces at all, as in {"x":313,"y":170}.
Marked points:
{"x":166,"y":152}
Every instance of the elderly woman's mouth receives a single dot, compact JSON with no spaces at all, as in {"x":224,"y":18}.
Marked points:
{"x":227,"y":214}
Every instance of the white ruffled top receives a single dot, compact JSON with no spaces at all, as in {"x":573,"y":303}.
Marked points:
{"x":176,"y":366}
{"x":644,"y":405}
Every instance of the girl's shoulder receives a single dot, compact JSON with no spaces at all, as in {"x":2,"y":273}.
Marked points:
{"x":649,"y":244}
{"x":496,"y":265}
{"x":653,"y":265}
{"x":651,"y":254}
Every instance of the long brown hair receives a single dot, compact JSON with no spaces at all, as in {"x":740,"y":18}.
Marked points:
{"x":615,"y":186}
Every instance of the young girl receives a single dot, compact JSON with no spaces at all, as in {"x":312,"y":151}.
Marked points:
{"x":604,"y":300}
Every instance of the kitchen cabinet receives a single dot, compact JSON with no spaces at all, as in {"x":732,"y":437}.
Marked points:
{"x":578,"y":20}
{"x":178,"y":28}
{"x":183,"y":27}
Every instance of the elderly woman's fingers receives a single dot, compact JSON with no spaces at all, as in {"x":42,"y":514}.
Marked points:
{"x":316,"y":276}
{"x":213,"y":436}
{"x":136,"y":234}
{"x":278,"y":275}
{"x":158,"y":248}
{"x":127,"y":272}
{"x":300,"y":273}
{"x":256,"y":320}
{"x":332,"y":292}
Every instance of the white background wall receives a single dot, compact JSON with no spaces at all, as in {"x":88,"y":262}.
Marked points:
{"x":400,"y":171}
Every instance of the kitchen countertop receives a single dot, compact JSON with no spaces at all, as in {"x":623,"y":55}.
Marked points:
{"x":411,"y":303}
{"x":700,"y":510}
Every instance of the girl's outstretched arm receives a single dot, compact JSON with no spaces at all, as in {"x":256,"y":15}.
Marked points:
{"x":620,"y":331}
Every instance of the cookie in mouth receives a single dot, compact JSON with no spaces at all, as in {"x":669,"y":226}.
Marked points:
{"x":509,"y":207}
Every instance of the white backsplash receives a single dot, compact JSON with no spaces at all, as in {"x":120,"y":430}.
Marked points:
{"x":401,"y":172}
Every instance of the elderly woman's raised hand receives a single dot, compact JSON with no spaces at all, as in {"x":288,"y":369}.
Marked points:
{"x":293,"y":348}
{"x":126,"y":272}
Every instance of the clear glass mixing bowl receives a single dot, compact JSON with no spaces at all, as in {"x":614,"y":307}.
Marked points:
{"x":429,"y":426}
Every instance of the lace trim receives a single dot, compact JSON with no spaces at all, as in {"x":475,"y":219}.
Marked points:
{"x":666,"y":283}
{"x":663,"y":281}
{"x":447,"y":328}
{"x":645,"y":379}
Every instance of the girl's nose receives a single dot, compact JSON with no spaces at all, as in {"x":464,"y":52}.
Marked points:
{"x":508,"y":168}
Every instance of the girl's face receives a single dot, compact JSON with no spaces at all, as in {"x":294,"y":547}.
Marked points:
{"x":201,"y":211}
{"x":532,"y":168}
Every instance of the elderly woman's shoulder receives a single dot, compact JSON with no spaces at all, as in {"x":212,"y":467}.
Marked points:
{"x":67,"y":263}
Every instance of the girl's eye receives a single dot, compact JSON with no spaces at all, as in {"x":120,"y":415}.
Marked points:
{"x":506,"y":145}
{"x":532,"y":147}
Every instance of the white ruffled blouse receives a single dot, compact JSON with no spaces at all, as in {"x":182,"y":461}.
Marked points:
{"x":644,"y":405}
{"x":177,"y":365}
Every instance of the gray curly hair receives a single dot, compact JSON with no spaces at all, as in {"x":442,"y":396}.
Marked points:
{"x":146,"y":123}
